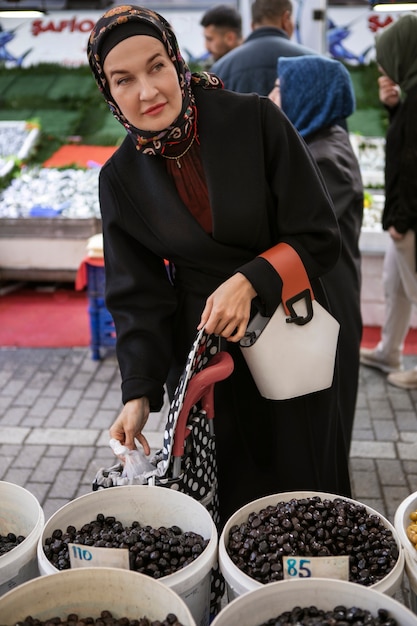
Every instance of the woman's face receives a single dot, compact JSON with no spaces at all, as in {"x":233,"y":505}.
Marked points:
{"x":144,"y":83}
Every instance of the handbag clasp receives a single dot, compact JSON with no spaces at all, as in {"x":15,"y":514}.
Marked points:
{"x":300,"y":320}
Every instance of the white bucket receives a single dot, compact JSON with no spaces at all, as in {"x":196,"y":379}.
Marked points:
{"x":261,"y":605}
{"x":153,"y":506}
{"x":411,"y":573}
{"x":401,"y":521}
{"x":238,"y":582}
{"x":89,"y":591}
{"x":21,"y":514}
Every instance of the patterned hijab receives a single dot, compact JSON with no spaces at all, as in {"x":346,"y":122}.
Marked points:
{"x":185,"y":125}
{"x":316,"y":92}
{"x":396,"y":51}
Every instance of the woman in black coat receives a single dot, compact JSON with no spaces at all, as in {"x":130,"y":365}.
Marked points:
{"x":209,"y":179}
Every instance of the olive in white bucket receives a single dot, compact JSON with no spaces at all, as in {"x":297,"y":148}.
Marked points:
{"x":402,"y":521}
{"x":262,"y":552}
{"x":149,"y":506}
{"x":20,"y":515}
{"x":89,"y":591}
{"x":270,"y":601}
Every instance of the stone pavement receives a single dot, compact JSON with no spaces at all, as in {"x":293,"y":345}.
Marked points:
{"x":56,"y":406}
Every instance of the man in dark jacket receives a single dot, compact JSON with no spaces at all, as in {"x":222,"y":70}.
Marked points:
{"x":222,"y":26}
{"x":252,"y":67}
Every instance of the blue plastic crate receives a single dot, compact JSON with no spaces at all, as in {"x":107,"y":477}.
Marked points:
{"x":102,"y":330}
{"x":103,"y":333}
{"x":96,"y":281}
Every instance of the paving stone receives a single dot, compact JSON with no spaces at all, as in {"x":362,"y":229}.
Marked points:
{"x":363,"y":435}
{"x":63,"y":436}
{"x":59,"y":451}
{"x":17,"y":475}
{"x":407,"y":451}
{"x":39,"y":490}
{"x":47,"y":470}
{"x":70,"y":398}
{"x":42,"y":407}
{"x":103,"y":419}
{"x":86,"y":408}
{"x":362,"y":419}
{"x":390,"y":472}
{"x":406,"y":420}
{"x":58,"y":418}
{"x":385,"y":430}
{"x":14,"y":415}
{"x":13,"y":387}
{"x":410,"y":467}
{"x":412,"y":482}
{"x":65,"y":484}
{"x":365,"y":485}
{"x":393,"y":497}
{"x":399,"y":400}
{"x":52,"y":505}
{"x":9,"y":434}
{"x":380,"y":409}
{"x":373,"y":449}
{"x":79,"y":457}
{"x":96,"y":389}
{"x":29,"y":456}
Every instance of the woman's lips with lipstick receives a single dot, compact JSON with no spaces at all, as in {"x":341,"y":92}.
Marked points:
{"x":154,"y":110}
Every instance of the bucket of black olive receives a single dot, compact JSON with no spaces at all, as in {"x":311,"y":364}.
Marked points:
{"x":315,"y":601}
{"x":405,"y":523}
{"x":157,"y":532}
{"x":309,"y":535}
{"x":21,"y":523}
{"x":94,"y":595}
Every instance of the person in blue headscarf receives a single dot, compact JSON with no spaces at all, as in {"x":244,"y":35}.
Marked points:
{"x":317,"y":96}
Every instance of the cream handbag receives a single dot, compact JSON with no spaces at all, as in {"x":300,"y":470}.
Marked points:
{"x":293,"y":352}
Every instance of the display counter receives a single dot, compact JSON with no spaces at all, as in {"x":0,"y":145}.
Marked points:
{"x":43,"y":249}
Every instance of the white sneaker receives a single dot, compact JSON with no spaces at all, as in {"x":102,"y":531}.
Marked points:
{"x":372,"y":358}
{"x":404,"y":380}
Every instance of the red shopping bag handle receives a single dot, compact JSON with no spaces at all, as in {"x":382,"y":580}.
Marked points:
{"x":201,"y":387}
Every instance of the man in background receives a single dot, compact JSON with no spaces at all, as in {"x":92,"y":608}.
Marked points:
{"x":222,"y":30}
{"x":252,"y":67}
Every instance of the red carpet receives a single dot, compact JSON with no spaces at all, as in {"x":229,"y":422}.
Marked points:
{"x":37,"y":319}
{"x":30,"y":318}
{"x":372,"y":334}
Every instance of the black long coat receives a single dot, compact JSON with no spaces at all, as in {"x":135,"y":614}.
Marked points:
{"x":263,"y":188}
{"x":339,"y":167}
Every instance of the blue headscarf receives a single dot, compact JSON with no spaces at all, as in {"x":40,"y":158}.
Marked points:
{"x":316,"y":92}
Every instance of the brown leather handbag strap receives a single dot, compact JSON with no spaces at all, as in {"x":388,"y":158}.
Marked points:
{"x":295,"y":282}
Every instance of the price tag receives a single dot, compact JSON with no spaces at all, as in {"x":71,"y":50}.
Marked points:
{"x":88,"y":556}
{"x":336,"y":567}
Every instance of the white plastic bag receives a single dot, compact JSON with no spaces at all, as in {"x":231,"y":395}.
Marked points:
{"x":136,"y":465}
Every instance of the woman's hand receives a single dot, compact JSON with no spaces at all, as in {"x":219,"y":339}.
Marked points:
{"x":130,"y":423}
{"x":227,"y":310}
{"x":394,"y":234}
{"x":389,"y":92}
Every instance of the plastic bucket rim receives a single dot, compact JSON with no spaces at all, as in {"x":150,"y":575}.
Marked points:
{"x":285,"y":496}
{"x":13,"y":555}
{"x":400,"y":525}
{"x":269,"y":592}
{"x":85,"y":572}
{"x":199,"y":568}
